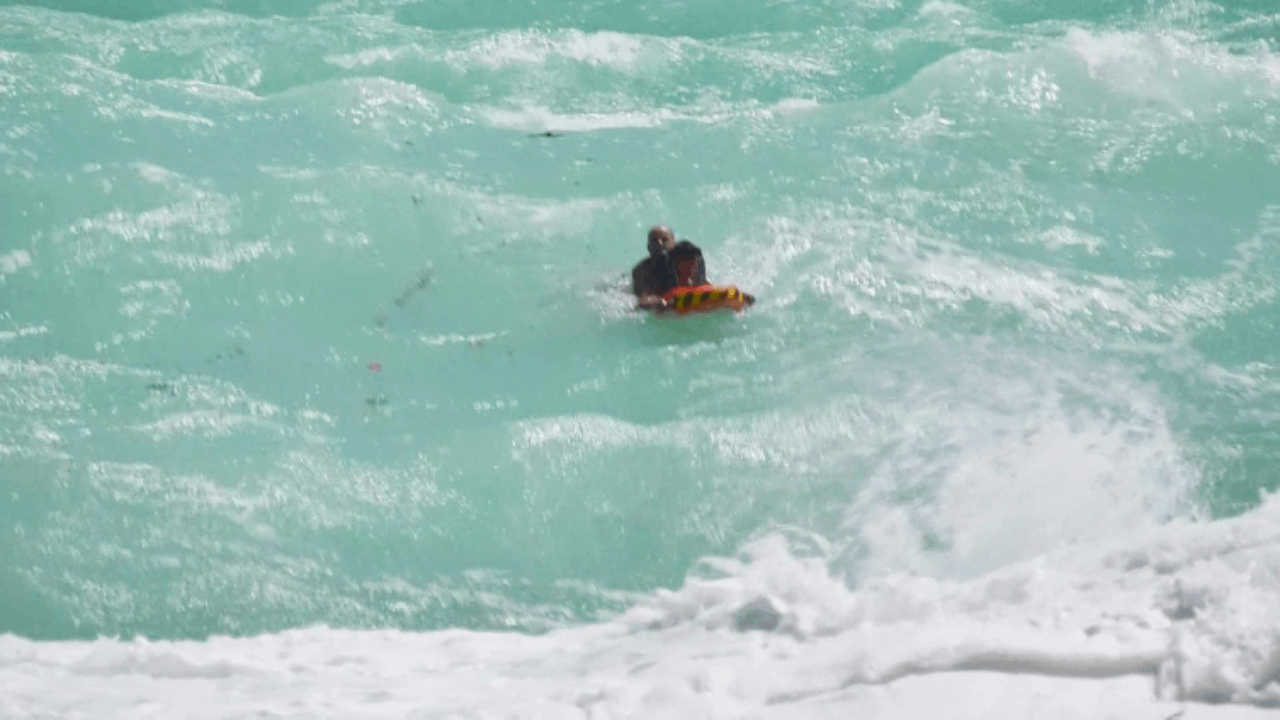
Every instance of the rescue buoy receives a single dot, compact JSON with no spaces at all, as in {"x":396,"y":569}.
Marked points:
{"x":705,"y":298}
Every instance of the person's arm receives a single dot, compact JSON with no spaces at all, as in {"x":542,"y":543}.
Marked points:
{"x":651,"y":301}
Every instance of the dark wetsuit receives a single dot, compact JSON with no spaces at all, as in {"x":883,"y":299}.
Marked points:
{"x":654,"y":275}
{"x":657,"y":273}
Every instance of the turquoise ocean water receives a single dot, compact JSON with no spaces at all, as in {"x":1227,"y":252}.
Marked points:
{"x":307,"y":310}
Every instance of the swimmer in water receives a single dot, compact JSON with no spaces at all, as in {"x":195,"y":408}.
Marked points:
{"x":652,"y":277}
{"x":669,"y":265}
{"x":686,"y":261}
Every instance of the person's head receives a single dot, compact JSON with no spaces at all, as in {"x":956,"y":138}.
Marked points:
{"x":661,"y":239}
{"x":686,"y":258}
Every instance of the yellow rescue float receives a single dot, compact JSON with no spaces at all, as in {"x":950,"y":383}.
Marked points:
{"x":705,"y":298}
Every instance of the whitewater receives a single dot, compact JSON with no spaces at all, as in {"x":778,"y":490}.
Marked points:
{"x":319,"y":397}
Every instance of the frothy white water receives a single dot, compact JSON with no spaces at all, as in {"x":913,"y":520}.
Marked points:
{"x":1128,"y":627}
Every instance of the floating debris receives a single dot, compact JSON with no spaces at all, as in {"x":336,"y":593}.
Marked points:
{"x":162,"y":387}
{"x":423,"y":280}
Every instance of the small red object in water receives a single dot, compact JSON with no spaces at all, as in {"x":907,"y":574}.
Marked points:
{"x":375,"y":366}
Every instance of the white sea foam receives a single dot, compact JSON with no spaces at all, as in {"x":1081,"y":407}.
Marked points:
{"x":543,"y":120}
{"x":12,"y":262}
{"x":531,"y":47}
{"x":474,"y":340}
{"x":525,"y":48}
{"x":1127,"y":627}
{"x":23,"y":332}
{"x":944,"y":9}
{"x":538,"y":119}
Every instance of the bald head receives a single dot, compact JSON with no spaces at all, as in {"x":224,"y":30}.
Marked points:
{"x":661,"y":239}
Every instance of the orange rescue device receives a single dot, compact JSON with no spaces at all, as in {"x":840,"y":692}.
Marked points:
{"x":704,"y":298}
